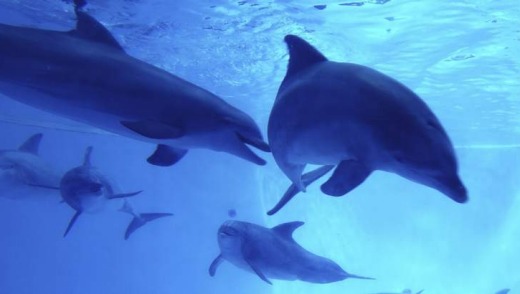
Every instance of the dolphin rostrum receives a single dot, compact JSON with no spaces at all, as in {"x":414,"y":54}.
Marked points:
{"x":84,"y":74}
{"x":357,"y":120}
{"x":23,"y":173}
{"x":86,"y":190}
{"x":273,"y":254}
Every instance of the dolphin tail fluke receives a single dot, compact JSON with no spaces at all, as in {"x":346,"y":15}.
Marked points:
{"x":123,"y":195}
{"x":141,"y":219}
{"x":351,"y":276}
{"x":307,"y":179}
{"x":71,"y":223}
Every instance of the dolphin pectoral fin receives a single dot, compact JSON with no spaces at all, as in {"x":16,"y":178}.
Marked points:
{"x":123,"y":195}
{"x":249,"y":253}
{"x":348,"y":175}
{"x":307,"y":179}
{"x":71,"y":222}
{"x":141,"y":220}
{"x":32,"y":145}
{"x":260,"y":274}
{"x":89,"y":28}
{"x":165,"y":155}
{"x":154,"y":129}
{"x":215,"y":264}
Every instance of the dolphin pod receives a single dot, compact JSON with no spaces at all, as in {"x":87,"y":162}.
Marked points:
{"x":23,"y":173}
{"x":87,"y":190}
{"x":273,"y":254}
{"x":85,"y":75}
{"x":341,"y":116}
{"x":357,"y":120}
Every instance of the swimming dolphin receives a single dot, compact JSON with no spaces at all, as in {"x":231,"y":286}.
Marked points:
{"x":273,"y":253}
{"x":86,"y":190}
{"x":84,"y":74}
{"x":405,"y":291}
{"x":24,"y":174}
{"x":503,"y":291}
{"x":358,"y":120}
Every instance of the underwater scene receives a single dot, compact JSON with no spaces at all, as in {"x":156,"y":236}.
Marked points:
{"x":251,"y":147}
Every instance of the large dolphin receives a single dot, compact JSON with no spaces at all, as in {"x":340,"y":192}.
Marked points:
{"x":357,"y":120}
{"x":273,"y":253}
{"x":24,"y":174}
{"x":84,"y":74}
{"x":87,"y":190}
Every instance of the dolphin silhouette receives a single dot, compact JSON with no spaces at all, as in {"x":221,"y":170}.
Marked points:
{"x":273,"y":253}
{"x":84,"y":74}
{"x":503,"y":291}
{"x":24,"y":174}
{"x":357,"y":120}
{"x":87,"y":190}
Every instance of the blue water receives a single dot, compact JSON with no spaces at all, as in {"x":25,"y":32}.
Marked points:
{"x":462,"y":57}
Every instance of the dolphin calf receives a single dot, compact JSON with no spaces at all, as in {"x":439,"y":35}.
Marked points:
{"x":84,"y":74}
{"x":24,"y":174}
{"x":356,"y":120}
{"x":273,"y":253}
{"x":86,"y":190}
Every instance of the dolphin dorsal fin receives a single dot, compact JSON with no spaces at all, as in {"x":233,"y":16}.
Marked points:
{"x":301,"y":54}
{"x":89,"y":28}
{"x":32,"y":145}
{"x":286,"y":230}
{"x":86,"y":159}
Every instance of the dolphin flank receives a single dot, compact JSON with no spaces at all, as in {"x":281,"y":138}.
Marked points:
{"x":356,"y":120}
{"x":84,"y":74}
{"x":273,"y":254}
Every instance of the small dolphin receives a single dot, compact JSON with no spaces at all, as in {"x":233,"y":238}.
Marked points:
{"x":84,"y":74}
{"x":273,"y":253}
{"x":405,"y":291}
{"x":357,"y":120}
{"x":24,"y":174}
{"x":503,"y":291}
{"x":86,"y":190}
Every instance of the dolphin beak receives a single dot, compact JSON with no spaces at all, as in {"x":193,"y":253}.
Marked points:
{"x":454,"y":189}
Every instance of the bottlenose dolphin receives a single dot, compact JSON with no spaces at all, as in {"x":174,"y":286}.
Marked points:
{"x":24,"y":174}
{"x":358,"y":120}
{"x":84,"y":74}
{"x":86,"y":190}
{"x":405,"y":291}
{"x":273,"y":253}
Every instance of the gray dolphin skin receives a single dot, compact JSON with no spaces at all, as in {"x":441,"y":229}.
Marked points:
{"x":85,"y":75}
{"x":87,"y":190}
{"x":358,"y":120}
{"x":24,"y":174}
{"x":273,"y":254}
